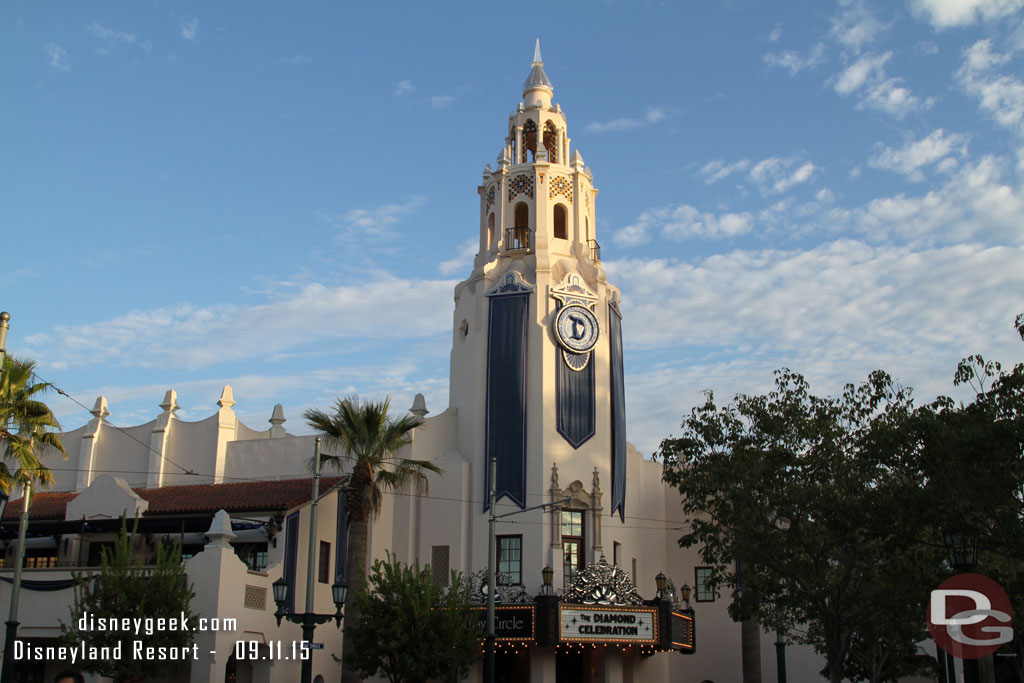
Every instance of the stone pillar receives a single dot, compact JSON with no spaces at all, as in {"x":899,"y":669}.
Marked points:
{"x":87,"y":449}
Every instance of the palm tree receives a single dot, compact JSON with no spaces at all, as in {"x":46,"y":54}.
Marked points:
{"x":26,"y":425}
{"x":369,"y":439}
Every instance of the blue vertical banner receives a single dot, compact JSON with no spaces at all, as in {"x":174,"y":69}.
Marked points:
{"x":506,"y":395}
{"x":618,"y":413}
{"x":575,"y":396}
{"x":341,"y":539}
{"x":291,"y":557}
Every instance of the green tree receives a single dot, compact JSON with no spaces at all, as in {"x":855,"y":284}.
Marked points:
{"x":410,"y":629}
{"x":27,"y":425}
{"x":129,"y":588}
{"x":972,"y":459}
{"x":804,"y":490}
{"x":369,"y":439}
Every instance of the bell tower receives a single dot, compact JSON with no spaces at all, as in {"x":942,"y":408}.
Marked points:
{"x":536,"y":363}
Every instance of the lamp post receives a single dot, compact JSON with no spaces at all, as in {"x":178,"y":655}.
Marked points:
{"x":309,"y":619}
{"x":780,"y":657}
{"x":661,"y":581}
{"x":19,"y":559}
{"x":547,"y":574}
{"x":963,"y":556}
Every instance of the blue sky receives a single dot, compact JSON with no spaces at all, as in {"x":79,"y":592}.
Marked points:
{"x":282,"y":197}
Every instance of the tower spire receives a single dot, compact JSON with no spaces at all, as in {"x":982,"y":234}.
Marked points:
{"x":537,"y":89}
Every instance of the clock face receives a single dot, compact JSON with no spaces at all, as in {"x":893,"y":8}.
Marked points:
{"x":576,"y":328}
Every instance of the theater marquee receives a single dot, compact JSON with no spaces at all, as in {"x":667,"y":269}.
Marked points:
{"x":637,"y":625}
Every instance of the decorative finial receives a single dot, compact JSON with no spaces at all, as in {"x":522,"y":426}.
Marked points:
{"x":100,"y":409}
{"x":537,"y":61}
{"x":227,"y":397}
{"x":170,"y":402}
{"x":276,"y":421}
{"x":419,"y":406}
{"x":537,"y":89}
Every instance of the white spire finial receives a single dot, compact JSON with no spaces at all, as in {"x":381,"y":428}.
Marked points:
{"x":536,"y":54}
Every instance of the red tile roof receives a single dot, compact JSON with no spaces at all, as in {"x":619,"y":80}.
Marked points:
{"x":247,"y":496}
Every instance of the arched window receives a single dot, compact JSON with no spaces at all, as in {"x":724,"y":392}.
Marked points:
{"x":490,"y":230}
{"x":518,"y":236}
{"x":551,"y":141}
{"x":522,"y":215}
{"x":529,"y":141}
{"x":561,"y":231}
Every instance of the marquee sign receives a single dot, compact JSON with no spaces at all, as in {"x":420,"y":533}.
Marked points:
{"x":683,"y":636}
{"x":635,"y":625}
{"x":510,"y":622}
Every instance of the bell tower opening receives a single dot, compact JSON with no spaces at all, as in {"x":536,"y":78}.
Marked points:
{"x":561,"y":230}
{"x":529,"y":142}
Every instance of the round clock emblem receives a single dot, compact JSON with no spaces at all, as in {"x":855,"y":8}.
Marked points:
{"x":576,"y":328}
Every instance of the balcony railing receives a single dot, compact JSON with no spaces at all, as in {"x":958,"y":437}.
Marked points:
{"x":595,"y":250}
{"x":517,"y":238}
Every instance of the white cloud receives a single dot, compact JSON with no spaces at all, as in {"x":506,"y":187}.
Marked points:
{"x":463,"y":258}
{"x":938,"y":148}
{"x":112,"y":38}
{"x":190,"y":29}
{"x":825,"y":196}
{"x":682,"y":222}
{"x":1000,"y":96}
{"x":794,"y":61}
{"x":190,"y":337}
{"x":441,"y":101}
{"x":404,"y":88}
{"x":855,"y":26}
{"x":775,"y":174}
{"x":653,"y":115}
{"x":948,"y":13}
{"x":377,"y":221}
{"x":776,"y":33}
{"x":867,"y":76}
{"x":58,"y":57}
{"x":857,"y":74}
{"x":834,"y":312}
{"x":715,"y":170}
{"x":294,"y":60}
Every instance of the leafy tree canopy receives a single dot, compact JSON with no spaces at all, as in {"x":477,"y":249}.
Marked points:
{"x":128,"y":587}
{"x":411,"y":630}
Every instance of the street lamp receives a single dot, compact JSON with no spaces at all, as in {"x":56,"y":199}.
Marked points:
{"x":963,"y":556}
{"x":548,"y":574}
{"x":963,"y":549}
{"x":684,"y":594}
{"x":309,"y":619}
{"x":661,"y":581}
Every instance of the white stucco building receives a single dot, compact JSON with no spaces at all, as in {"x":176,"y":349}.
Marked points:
{"x":536,"y":381}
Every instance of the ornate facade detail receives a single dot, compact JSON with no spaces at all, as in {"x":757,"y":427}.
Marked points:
{"x":508,"y":593}
{"x":520,"y":184}
{"x":511,"y":283}
{"x":573,"y":291}
{"x":602,"y":584}
{"x":490,"y":196}
{"x":560,"y":186}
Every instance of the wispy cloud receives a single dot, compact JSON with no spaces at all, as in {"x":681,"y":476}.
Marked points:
{"x":776,"y":174}
{"x":404,"y":88}
{"x":682,"y":222}
{"x":377,"y":221}
{"x":855,"y":26}
{"x":866,"y":78}
{"x":796,"y":62}
{"x":715,"y":170}
{"x":463,"y":258}
{"x":58,"y":57}
{"x":652,"y":116}
{"x":294,"y":60}
{"x":834,"y":312}
{"x":112,"y":38}
{"x":949,"y":13}
{"x":441,"y":101}
{"x":190,"y":29}
{"x":191,"y":337}
{"x":937,"y":148}
{"x":1001,"y":96}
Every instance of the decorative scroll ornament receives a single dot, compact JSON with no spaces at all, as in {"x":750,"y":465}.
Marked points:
{"x":602,"y":584}
{"x":510,"y":283}
{"x":507,"y":594}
